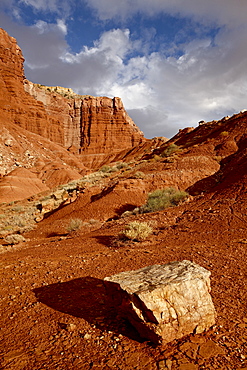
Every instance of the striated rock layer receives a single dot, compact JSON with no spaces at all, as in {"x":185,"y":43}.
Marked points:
{"x":90,"y":124}
{"x":86,"y":125}
{"x":165,"y":302}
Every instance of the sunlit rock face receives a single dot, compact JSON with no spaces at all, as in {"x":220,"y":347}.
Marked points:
{"x":165,"y":302}
{"x":90,"y":127}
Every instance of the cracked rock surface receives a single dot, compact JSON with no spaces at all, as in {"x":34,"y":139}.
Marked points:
{"x":166,"y":302}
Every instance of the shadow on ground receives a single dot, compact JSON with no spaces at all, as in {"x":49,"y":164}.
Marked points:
{"x":94,"y":300}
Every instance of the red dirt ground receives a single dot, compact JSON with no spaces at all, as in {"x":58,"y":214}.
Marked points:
{"x":56,"y":314}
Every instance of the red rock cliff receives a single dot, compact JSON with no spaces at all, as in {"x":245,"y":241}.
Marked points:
{"x":92,"y":127}
{"x":17,"y":106}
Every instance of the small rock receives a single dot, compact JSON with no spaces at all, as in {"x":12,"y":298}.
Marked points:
{"x":169,"y":364}
{"x":71,"y":327}
{"x":190,"y":349}
{"x":162,"y":365}
{"x":165,"y":364}
{"x":210,"y":349}
{"x":87,"y":336}
{"x":188,"y":366}
{"x":198,"y":340}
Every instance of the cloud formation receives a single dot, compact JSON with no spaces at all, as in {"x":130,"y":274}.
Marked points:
{"x":163,"y":91}
{"x":223,"y":11}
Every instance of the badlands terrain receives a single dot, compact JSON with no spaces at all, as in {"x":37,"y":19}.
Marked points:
{"x":65,"y":157}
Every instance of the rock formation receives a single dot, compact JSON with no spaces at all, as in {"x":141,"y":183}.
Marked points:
{"x":166,"y":302}
{"x":52,"y":131}
{"x":85,"y":125}
{"x":91,"y":126}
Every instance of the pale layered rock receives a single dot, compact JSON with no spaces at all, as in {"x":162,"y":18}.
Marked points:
{"x":165,"y":302}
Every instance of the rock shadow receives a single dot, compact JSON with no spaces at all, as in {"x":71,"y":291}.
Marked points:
{"x":94,"y":300}
{"x":106,"y":240}
{"x":125,"y":207}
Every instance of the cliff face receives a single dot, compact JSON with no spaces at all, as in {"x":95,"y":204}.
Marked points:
{"x":91,"y":127}
{"x":17,"y":106}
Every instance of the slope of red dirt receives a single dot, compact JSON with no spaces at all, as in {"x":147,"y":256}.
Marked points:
{"x":57,"y":313}
{"x":53,"y":289}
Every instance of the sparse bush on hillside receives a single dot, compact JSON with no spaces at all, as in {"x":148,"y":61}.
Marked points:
{"x":74,"y":225}
{"x":163,"y":198}
{"x":138,"y":175}
{"x":224,"y":133}
{"x":105,"y":168}
{"x":108,"y":169}
{"x":121,"y":165}
{"x":155,"y":158}
{"x":17,"y":208}
{"x":137,"y":231}
{"x":172,"y":148}
{"x":14,"y":239}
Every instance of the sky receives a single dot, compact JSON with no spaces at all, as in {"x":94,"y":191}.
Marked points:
{"x":172,"y":62}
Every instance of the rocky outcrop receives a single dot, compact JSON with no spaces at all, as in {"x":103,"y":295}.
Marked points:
{"x":17,"y":106}
{"x":92,"y":126}
{"x":165,"y":302}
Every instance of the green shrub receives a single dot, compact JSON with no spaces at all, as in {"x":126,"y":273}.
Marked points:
{"x":108,"y":169}
{"x":74,"y":225}
{"x":105,"y":168}
{"x":138,"y":175}
{"x":121,"y":165}
{"x":172,"y":148}
{"x":137,"y":231}
{"x":163,"y":198}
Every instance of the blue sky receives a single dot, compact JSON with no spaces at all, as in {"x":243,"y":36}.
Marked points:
{"x":173,"y":62}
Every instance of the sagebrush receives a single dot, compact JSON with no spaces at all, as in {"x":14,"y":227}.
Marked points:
{"x":163,"y":198}
{"x":14,"y":239}
{"x":172,"y":148}
{"x":74,"y":225}
{"x":136,"y":231}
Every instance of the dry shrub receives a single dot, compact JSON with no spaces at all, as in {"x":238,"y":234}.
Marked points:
{"x":138,"y":175}
{"x":105,"y":168}
{"x":155,"y":158}
{"x":172,"y":148}
{"x":136,"y":231}
{"x":74,"y":225}
{"x":121,"y":165}
{"x":163,"y":198}
{"x":224,"y":133}
{"x":14,"y":239}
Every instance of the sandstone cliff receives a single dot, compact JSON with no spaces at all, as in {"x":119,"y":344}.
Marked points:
{"x":92,"y":127}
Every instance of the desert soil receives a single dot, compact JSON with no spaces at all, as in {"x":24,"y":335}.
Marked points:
{"x":56,"y":314}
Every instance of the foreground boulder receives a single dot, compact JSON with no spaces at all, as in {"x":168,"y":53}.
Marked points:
{"x":165,"y":302}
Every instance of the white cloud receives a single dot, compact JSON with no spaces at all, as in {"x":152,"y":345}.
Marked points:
{"x":162,"y":94}
{"x":50,"y":5}
{"x":223,"y":11}
{"x":62,"y":26}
